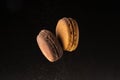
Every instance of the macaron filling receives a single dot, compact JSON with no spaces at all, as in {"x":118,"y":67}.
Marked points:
{"x":71,"y":34}
{"x":54,"y":47}
{"x":74,"y":32}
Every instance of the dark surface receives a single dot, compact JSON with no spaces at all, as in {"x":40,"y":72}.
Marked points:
{"x":96,"y":58}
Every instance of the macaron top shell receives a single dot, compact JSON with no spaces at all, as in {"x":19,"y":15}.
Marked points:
{"x":49,"y":45}
{"x":67,"y":31}
{"x":62,"y":32}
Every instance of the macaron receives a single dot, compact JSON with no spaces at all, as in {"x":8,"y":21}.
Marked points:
{"x":49,"y":45}
{"x":67,"y":31}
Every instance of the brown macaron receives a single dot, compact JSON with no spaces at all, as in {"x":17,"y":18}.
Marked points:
{"x":49,"y":45}
{"x":68,"y":32}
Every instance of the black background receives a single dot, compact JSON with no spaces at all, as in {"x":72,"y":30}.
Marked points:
{"x":96,"y":58}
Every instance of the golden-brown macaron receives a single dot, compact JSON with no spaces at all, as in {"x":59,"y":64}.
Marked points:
{"x":68,"y":32}
{"x":49,"y":45}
